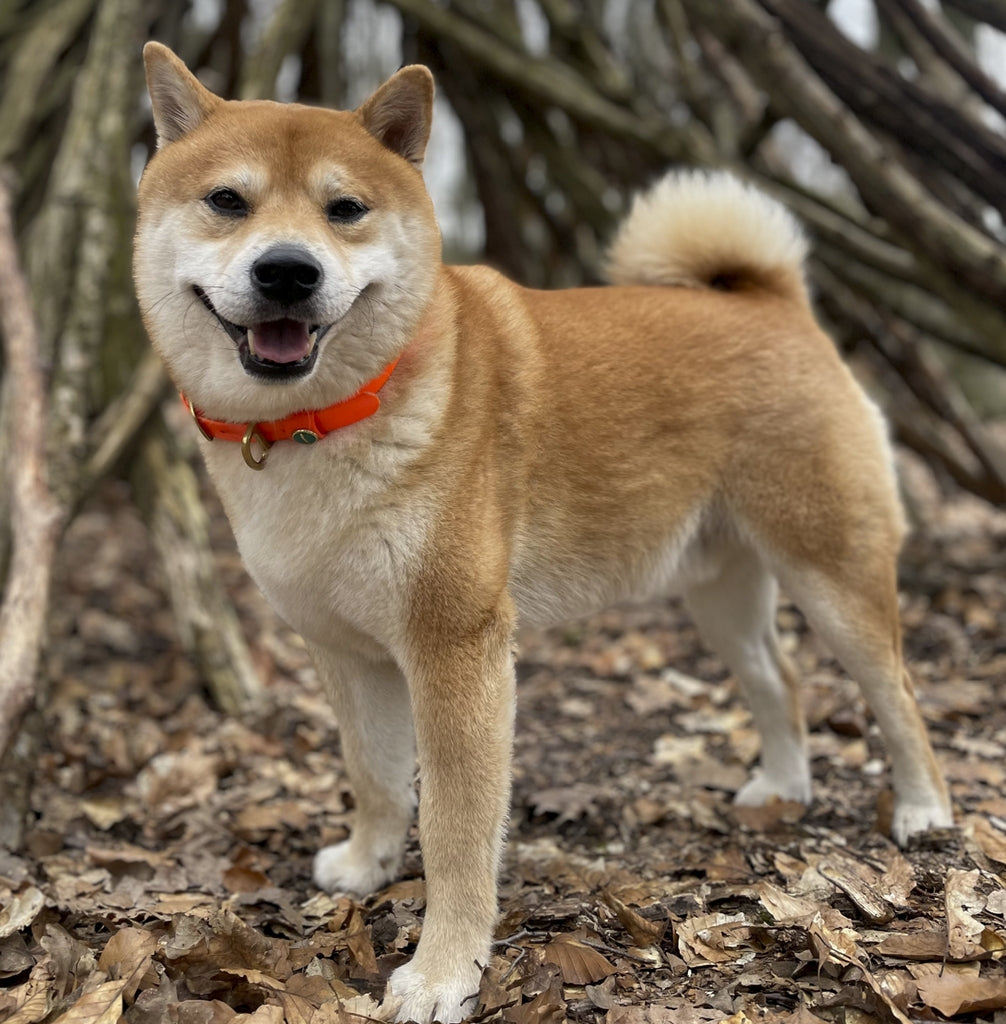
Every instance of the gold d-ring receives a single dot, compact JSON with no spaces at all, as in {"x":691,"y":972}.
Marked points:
{"x":251,"y":435}
{"x":195,"y":417}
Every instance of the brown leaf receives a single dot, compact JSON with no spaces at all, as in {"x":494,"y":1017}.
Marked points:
{"x":578,"y":963}
{"x":254,"y":977}
{"x":569,"y":803}
{"x":787,"y":909}
{"x":838,"y":944}
{"x":126,"y":853}
{"x":964,"y":932}
{"x":952,"y":994}
{"x":411,"y":889}
{"x":203,"y":1011}
{"x":172,"y":903}
{"x":296,"y":1009}
{"x":314,"y":988}
{"x":841,"y":947}
{"x":14,"y":956}
{"x":34,"y":998}
{"x":712,"y":938}
{"x":242,"y":879}
{"x":642,"y":931}
{"x":930,"y":944}
{"x":97,"y":1004}
{"x":898,"y":880}
{"x":548,"y":1007}
{"x":265,"y":1014}
{"x":357,"y":1009}
{"x":802,"y":1015}
{"x":127,"y":957}
{"x":72,"y":960}
{"x":602,"y":996}
{"x":990,"y":840}
{"x":105,"y":811}
{"x":20,"y":910}
{"x":361,"y":946}
{"x":187,"y":936}
{"x":770,"y":816}
{"x":494,"y":990}
{"x":728,"y":865}
{"x":174,"y":781}
{"x":647,"y":1015}
{"x":264,"y":818}
{"x":235,"y":944}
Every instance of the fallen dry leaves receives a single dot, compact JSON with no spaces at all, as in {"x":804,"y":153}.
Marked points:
{"x":166,"y":872}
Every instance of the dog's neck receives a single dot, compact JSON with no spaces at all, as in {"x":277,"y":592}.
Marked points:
{"x":304,"y":427}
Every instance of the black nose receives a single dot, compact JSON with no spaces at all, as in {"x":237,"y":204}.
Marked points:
{"x":286,"y":274}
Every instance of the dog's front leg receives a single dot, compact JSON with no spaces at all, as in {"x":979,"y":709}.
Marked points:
{"x":371,"y":702}
{"x":463,"y":705}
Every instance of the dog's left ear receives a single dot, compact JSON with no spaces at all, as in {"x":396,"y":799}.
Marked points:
{"x":400,"y":112}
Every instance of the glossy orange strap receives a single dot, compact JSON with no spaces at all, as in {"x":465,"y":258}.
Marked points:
{"x":305,"y":427}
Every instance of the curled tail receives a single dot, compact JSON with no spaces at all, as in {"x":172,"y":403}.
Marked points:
{"x":705,"y":229}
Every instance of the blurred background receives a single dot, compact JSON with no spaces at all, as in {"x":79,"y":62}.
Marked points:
{"x":881,"y":124}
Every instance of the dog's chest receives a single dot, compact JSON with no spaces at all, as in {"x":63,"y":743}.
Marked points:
{"x":327,"y":539}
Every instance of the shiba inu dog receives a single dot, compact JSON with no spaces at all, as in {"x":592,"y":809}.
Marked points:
{"x":415,"y":456}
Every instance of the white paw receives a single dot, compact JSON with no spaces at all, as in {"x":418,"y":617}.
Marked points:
{"x":345,"y":868}
{"x":762,"y":789}
{"x":911,"y":818}
{"x":415,"y":995}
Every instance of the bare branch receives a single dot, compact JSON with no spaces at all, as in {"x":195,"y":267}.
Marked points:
{"x":36,"y":517}
{"x":167,"y":493}
{"x":934,"y":233}
{"x":283,"y":35}
{"x":940,"y":35}
{"x":549,"y":81}
{"x":992,"y":12}
{"x":118,"y":427}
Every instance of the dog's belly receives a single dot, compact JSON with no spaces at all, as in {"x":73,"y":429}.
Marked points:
{"x":551,"y":583}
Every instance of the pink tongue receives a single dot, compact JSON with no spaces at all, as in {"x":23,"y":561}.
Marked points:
{"x":280,"y":341}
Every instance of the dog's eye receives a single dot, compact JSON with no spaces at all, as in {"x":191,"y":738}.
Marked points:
{"x":345,"y":210}
{"x":226,"y":200}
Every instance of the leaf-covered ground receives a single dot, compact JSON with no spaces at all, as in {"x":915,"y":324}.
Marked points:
{"x":166,"y":875}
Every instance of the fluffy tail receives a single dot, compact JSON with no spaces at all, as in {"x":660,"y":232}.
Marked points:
{"x":709,"y":230}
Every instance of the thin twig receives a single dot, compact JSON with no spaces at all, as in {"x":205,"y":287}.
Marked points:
{"x":119,"y":425}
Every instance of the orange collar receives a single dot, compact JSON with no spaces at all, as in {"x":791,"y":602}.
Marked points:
{"x":304,"y":427}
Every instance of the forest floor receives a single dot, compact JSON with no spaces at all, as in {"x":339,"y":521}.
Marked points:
{"x":167,"y":869}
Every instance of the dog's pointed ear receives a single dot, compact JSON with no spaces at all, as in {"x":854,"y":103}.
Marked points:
{"x":400,"y":112}
{"x":178,"y":100}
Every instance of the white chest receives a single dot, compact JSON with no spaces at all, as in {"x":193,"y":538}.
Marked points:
{"x":323,"y":532}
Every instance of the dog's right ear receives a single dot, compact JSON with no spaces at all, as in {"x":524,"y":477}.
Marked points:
{"x":178,"y":100}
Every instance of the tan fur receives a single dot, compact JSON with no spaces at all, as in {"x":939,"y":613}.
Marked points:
{"x":536,"y":456}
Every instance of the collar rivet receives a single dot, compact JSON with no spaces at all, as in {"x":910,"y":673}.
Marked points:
{"x":304,"y":436}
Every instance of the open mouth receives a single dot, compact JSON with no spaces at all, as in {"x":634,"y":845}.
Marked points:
{"x":274,"y":349}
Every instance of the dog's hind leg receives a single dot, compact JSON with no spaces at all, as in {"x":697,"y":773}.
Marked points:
{"x":853,"y":607}
{"x":371,"y":702}
{"x":735,"y":613}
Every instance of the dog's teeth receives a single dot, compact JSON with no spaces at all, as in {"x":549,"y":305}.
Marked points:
{"x":312,"y":338}
{"x":251,"y":342}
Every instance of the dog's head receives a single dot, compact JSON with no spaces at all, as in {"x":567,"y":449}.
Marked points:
{"x":284,"y":253}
